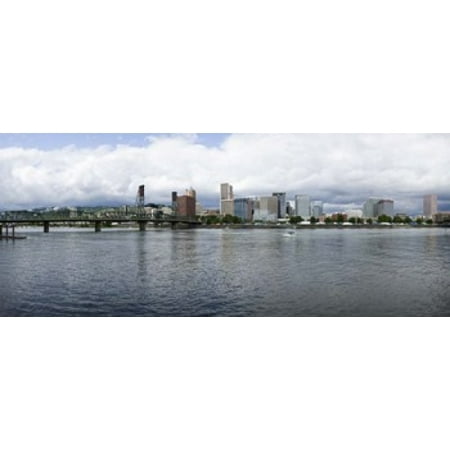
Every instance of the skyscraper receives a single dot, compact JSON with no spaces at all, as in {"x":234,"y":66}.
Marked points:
{"x":243,"y":208}
{"x":184,"y":205}
{"x":266,"y":209}
{"x":316,"y":208}
{"x":370,"y":208}
{"x":385,"y":208}
{"x":226,"y":191}
{"x":226,"y":199}
{"x":430,"y":205}
{"x":191,"y":193}
{"x":281,"y":196}
{"x":303,"y":206}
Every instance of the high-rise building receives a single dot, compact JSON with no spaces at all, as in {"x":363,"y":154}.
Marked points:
{"x":191,"y":193}
{"x":226,"y":199}
{"x":174,"y":202}
{"x":185,"y":204}
{"x":266,"y":209}
{"x":281,"y":196}
{"x":316,"y":208}
{"x":303,"y":206}
{"x":290,"y":209}
{"x":226,"y":191}
{"x":227,"y":208}
{"x":385,"y":208}
{"x":243,"y":208}
{"x":430,"y":205}
{"x":370,"y":208}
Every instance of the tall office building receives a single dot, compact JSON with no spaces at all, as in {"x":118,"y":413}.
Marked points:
{"x":430,"y":205}
{"x":191,"y":193}
{"x":316,"y":208}
{"x":281,"y":196}
{"x":385,"y":208}
{"x":226,"y":191}
{"x":185,"y":206}
{"x":243,"y":208}
{"x":303,"y":206}
{"x":370,"y":208}
{"x":174,"y":202}
{"x":290,"y":209}
{"x":226,"y":199}
{"x":266,"y":209}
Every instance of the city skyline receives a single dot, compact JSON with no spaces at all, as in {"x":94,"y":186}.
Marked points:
{"x":341,"y":170}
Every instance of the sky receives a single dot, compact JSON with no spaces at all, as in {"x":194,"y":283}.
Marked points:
{"x":342,"y":170}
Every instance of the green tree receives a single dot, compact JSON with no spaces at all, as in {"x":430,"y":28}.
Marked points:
{"x":369,"y":221}
{"x":429,"y":222}
{"x":313,"y":220}
{"x":295,"y":220}
{"x":419,"y":221}
{"x":398,"y":219}
{"x":384,"y":218}
{"x":360,"y":220}
{"x":340,"y":218}
{"x":212,"y":220}
{"x":352,"y":220}
{"x":408,"y":219}
{"x":328,"y":220}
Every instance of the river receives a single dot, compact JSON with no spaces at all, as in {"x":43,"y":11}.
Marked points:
{"x":224,"y":272}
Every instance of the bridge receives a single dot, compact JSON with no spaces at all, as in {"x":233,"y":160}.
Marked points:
{"x":97,"y":222}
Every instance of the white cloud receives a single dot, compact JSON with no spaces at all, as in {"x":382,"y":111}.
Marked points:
{"x":340,"y":168}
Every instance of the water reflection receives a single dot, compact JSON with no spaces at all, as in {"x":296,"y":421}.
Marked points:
{"x":228,"y":272}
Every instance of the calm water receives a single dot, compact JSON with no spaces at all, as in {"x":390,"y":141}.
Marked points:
{"x":388,"y":272}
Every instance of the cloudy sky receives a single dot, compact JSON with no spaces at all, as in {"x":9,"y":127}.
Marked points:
{"x":106,"y":169}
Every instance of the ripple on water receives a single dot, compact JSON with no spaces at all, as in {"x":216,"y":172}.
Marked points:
{"x":227,"y":273}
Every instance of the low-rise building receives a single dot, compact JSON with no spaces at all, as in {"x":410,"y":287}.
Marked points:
{"x":442,"y":217}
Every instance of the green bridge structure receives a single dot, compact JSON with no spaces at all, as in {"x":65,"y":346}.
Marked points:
{"x":97,"y":222}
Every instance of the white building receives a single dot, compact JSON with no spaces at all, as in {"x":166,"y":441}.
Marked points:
{"x":430,"y":205}
{"x":226,"y":199}
{"x":266,"y":209}
{"x":354,"y":213}
{"x":281,"y":197}
{"x":316,"y":208}
{"x":303,"y":206}
{"x":370,"y":207}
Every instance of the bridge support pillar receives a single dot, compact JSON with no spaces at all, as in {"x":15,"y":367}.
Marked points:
{"x":46,"y":227}
{"x":142,"y":225}
{"x":98,"y":226}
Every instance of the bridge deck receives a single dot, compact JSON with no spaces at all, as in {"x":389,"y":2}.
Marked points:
{"x":121,"y":219}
